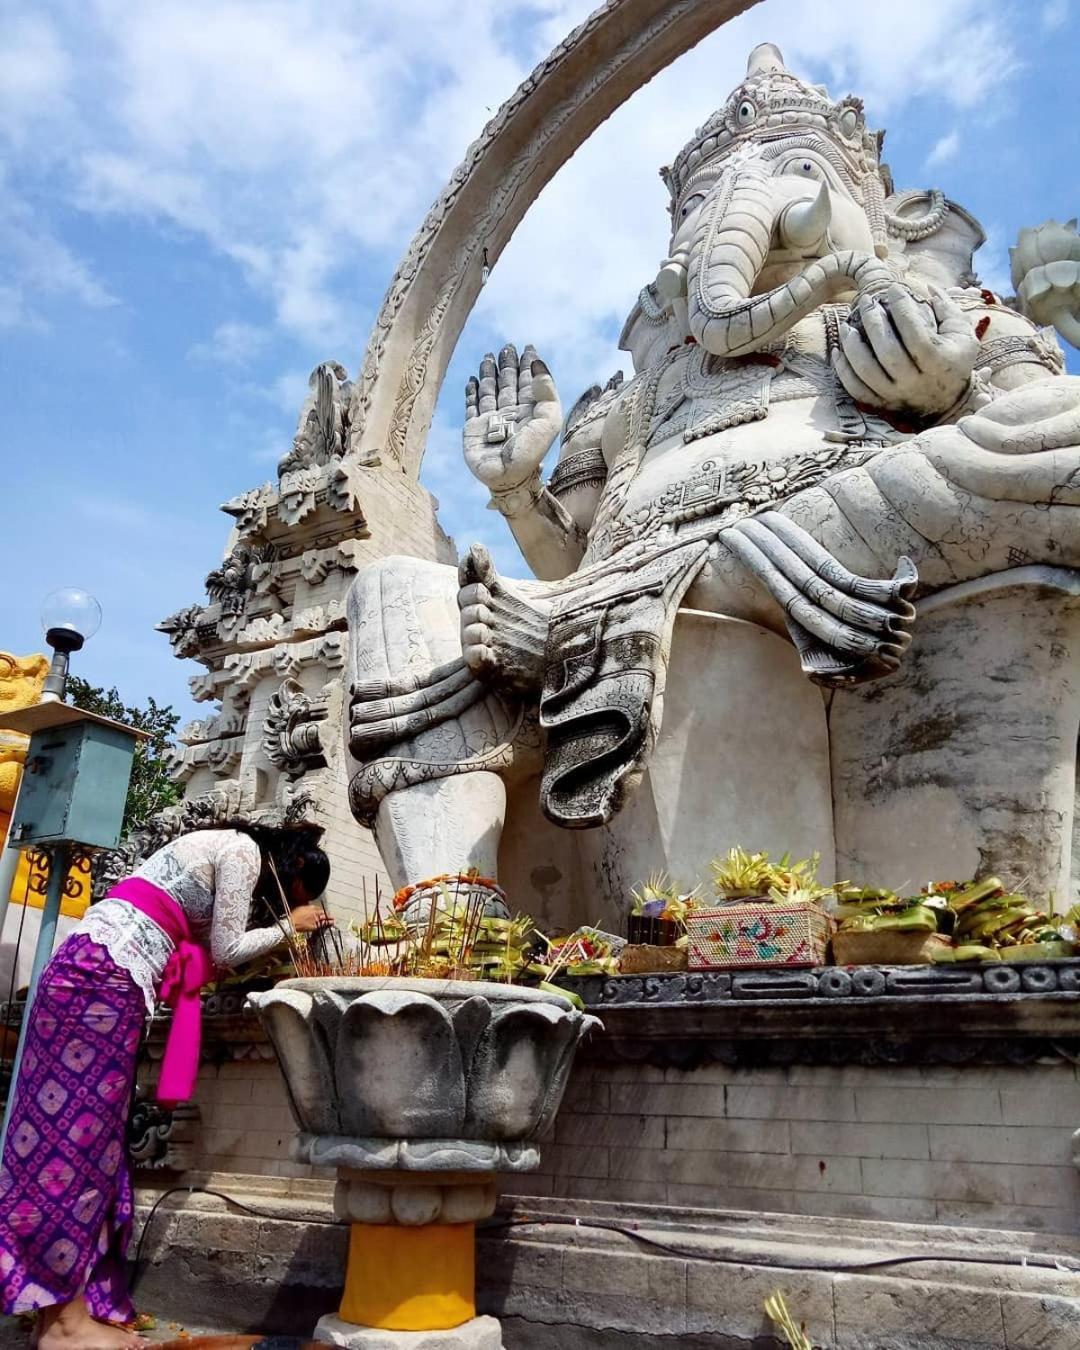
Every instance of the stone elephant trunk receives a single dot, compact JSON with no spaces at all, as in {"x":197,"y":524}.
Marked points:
{"x":730,"y":249}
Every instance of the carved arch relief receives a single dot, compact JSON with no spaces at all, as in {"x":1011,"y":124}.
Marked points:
{"x":616,"y":51}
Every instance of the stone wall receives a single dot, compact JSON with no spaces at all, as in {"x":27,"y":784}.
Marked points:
{"x":245,"y":1122}
{"x":982,"y":1146}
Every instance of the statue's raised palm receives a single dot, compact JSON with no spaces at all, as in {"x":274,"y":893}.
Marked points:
{"x":512,"y":416}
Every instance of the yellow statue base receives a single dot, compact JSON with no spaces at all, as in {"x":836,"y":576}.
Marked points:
{"x":401,"y":1278}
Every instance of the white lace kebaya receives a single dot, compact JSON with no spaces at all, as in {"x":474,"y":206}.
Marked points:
{"x":211,"y":875}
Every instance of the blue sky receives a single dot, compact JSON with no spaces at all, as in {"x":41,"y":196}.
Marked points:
{"x":202,"y":199}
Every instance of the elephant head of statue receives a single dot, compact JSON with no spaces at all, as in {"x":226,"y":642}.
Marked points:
{"x":778,"y":204}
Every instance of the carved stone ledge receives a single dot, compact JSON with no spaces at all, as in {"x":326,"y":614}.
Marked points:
{"x":180,"y":629}
{"x":861,"y":1015}
{"x":244,"y":670}
{"x":316,"y":564}
{"x":251,"y":510}
{"x":303,"y":493}
{"x":209,"y":686}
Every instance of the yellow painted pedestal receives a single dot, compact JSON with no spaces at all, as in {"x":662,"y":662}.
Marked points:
{"x":402,"y":1278}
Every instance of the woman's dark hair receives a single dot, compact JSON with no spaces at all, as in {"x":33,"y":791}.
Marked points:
{"x":291,"y":852}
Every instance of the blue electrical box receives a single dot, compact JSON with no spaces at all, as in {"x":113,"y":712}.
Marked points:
{"x":75,"y":779}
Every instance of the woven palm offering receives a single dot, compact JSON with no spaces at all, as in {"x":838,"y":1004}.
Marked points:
{"x":464,"y":891}
{"x":879,"y":927}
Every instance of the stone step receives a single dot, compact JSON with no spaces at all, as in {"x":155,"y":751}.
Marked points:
{"x":579,"y":1275}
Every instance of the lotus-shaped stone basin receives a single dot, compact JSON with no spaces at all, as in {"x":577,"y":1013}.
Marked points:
{"x":424,"y":1075}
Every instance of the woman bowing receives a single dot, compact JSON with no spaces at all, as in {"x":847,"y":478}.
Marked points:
{"x":207,"y":901}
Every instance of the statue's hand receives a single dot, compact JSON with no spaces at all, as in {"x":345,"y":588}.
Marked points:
{"x":503,"y":632}
{"x":907,"y":355}
{"x":512,"y":416}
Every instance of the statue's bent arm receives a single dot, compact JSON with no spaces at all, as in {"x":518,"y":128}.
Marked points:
{"x":549,"y":537}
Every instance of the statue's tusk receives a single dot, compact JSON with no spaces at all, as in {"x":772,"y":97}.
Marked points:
{"x":804,"y":223}
{"x":671,"y":279}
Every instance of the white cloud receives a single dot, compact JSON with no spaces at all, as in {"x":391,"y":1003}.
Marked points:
{"x":992,"y":261}
{"x":1055,"y":13}
{"x":943,"y":149}
{"x":306,"y":148}
{"x":287,"y":392}
{"x":34,"y":76}
{"x":36,"y":267}
{"x":234,"y":343}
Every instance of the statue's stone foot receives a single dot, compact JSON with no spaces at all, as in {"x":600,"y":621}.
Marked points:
{"x":503,"y":634}
{"x":480,"y":1333}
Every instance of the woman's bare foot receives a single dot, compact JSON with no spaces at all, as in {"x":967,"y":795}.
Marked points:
{"x":69,"y":1326}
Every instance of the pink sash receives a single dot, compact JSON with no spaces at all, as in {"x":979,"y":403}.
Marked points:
{"x":188,"y":969}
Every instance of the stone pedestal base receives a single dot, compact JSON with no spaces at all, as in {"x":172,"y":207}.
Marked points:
{"x":481,"y":1333}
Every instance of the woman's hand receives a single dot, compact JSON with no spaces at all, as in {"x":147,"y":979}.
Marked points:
{"x":310,"y":918}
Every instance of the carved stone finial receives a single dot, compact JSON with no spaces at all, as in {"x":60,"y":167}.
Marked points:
{"x":323,"y":430}
{"x":764,"y":59}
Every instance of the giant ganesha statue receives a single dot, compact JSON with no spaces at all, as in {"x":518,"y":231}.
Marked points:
{"x":834,"y":439}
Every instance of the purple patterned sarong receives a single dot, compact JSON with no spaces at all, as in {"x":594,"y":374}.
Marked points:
{"x":65,"y":1193}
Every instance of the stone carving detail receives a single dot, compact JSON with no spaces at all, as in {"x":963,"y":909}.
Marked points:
{"x":299,"y":491}
{"x":317,"y":563}
{"x":251,"y":510}
{"x":262,"y":632}
{"x":203,"y":687}
{"x":180,"y":763}
{"x":324,"y":420}
{"x":1046,"y":274}
{"x":319,"y":618}
{"x":163,"y":1140}
{"x":861,"y":982}
{"x":292,"y":732}
{"x":586,"y":468}
{"x":247,"y":570}
{"x":179,"y":628}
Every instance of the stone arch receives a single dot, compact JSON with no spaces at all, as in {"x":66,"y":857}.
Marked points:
{"x":617,"y":49}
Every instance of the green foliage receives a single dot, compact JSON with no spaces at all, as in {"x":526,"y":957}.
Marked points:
{"x":151,"y":788}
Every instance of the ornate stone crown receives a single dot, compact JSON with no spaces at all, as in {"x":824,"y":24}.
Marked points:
{"x":773,"y":105}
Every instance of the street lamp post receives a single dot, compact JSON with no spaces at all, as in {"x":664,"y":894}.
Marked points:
{"x":74,"y":783}
{"x":70,"y":616}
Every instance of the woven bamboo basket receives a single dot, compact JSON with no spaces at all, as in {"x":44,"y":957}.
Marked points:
{"x":758,"y":934}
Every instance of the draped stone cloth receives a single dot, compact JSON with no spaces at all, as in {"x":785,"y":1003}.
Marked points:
{"x":606,"y":664}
